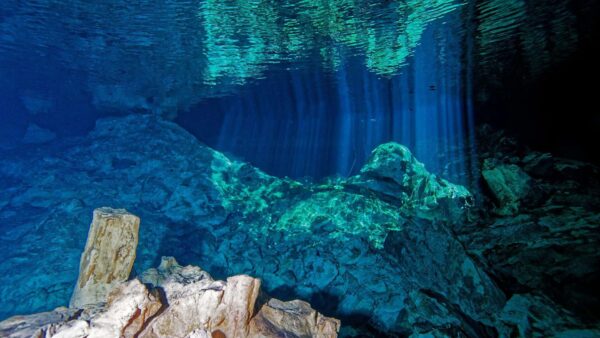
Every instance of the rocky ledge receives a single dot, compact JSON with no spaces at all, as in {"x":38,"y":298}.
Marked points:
{"x":170,"y":301}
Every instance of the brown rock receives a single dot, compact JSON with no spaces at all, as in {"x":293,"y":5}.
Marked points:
{"x":108,"y":256}
{"x":128,"y":308}
{"x":294,"y":318}
{"x":237,"y":305}
{"x":194,"y":306}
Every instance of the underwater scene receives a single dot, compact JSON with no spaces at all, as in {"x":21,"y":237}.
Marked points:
{"x":299,"y":168}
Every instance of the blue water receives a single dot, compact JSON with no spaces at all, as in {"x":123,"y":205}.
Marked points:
{"x":296,"y":88}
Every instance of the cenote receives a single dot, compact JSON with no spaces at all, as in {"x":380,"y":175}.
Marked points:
{"x":409,"y":168}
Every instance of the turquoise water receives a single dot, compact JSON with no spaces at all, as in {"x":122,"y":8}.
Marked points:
{"x":248,"y":135}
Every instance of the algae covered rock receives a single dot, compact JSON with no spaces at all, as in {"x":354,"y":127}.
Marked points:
{"x":447,"y":288}
{"x":509,"y":185}
{"x":393,"y":172}
{"x":533,"y":314}
{"x":339,"y":215}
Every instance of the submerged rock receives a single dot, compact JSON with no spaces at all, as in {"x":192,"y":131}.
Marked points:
{"x":547,"y":238}
{"x":108,"y":256}
{"x":508,"y":183}
{"x":393,"y":172}
{"x":448,"y":289}
{"x":175,"y":302}
{"x":324,"y":243}
{"x":386,"y":251}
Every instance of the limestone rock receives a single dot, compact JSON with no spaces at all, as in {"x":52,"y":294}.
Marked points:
{"x":309,"y":241}
{"x":194,"y":299}
{"x":108,"y":256}
{"x":36,"y":325}
{"x":509,"y":185}
{"x":296,"y":318}
{"x":182,"y":301}
{"x":199,"y":305}
{"x":323,"y":243}
{"x":394,"y":172}
{"x":129,"y":306}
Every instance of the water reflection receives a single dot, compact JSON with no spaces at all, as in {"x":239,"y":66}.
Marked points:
{"x":147,"y":52}
{"x":357,"y":72}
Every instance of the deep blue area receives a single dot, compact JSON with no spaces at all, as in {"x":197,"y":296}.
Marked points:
{"x":308,"y":122}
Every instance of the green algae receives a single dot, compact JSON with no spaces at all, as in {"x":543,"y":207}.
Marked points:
{"x":394,"y":172}
{"x":246,"y":189}
{"x":340,"y":215}
{"x":391,"y":187}
{"x":325,"y":210}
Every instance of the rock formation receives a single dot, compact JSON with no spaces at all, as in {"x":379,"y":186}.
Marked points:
{"x":394,"y":172}
{"x":549,"y":244}
{"x":108,"y":256}
{"x":508,"y":183}
{"x":388,"y":251}
{"x":174,"y":301}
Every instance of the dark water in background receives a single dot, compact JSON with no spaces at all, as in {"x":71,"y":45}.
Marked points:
{"x":298,"y":88}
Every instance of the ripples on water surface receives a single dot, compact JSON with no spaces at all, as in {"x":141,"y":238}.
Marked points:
{"x":373,"y":71}
{"x":197,"y":45}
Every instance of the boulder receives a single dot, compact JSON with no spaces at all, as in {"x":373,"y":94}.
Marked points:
{"x":108,"y":256}
{"x":394,"y":173}
{"x":508,"y":183}
{"x":227,"y":309}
